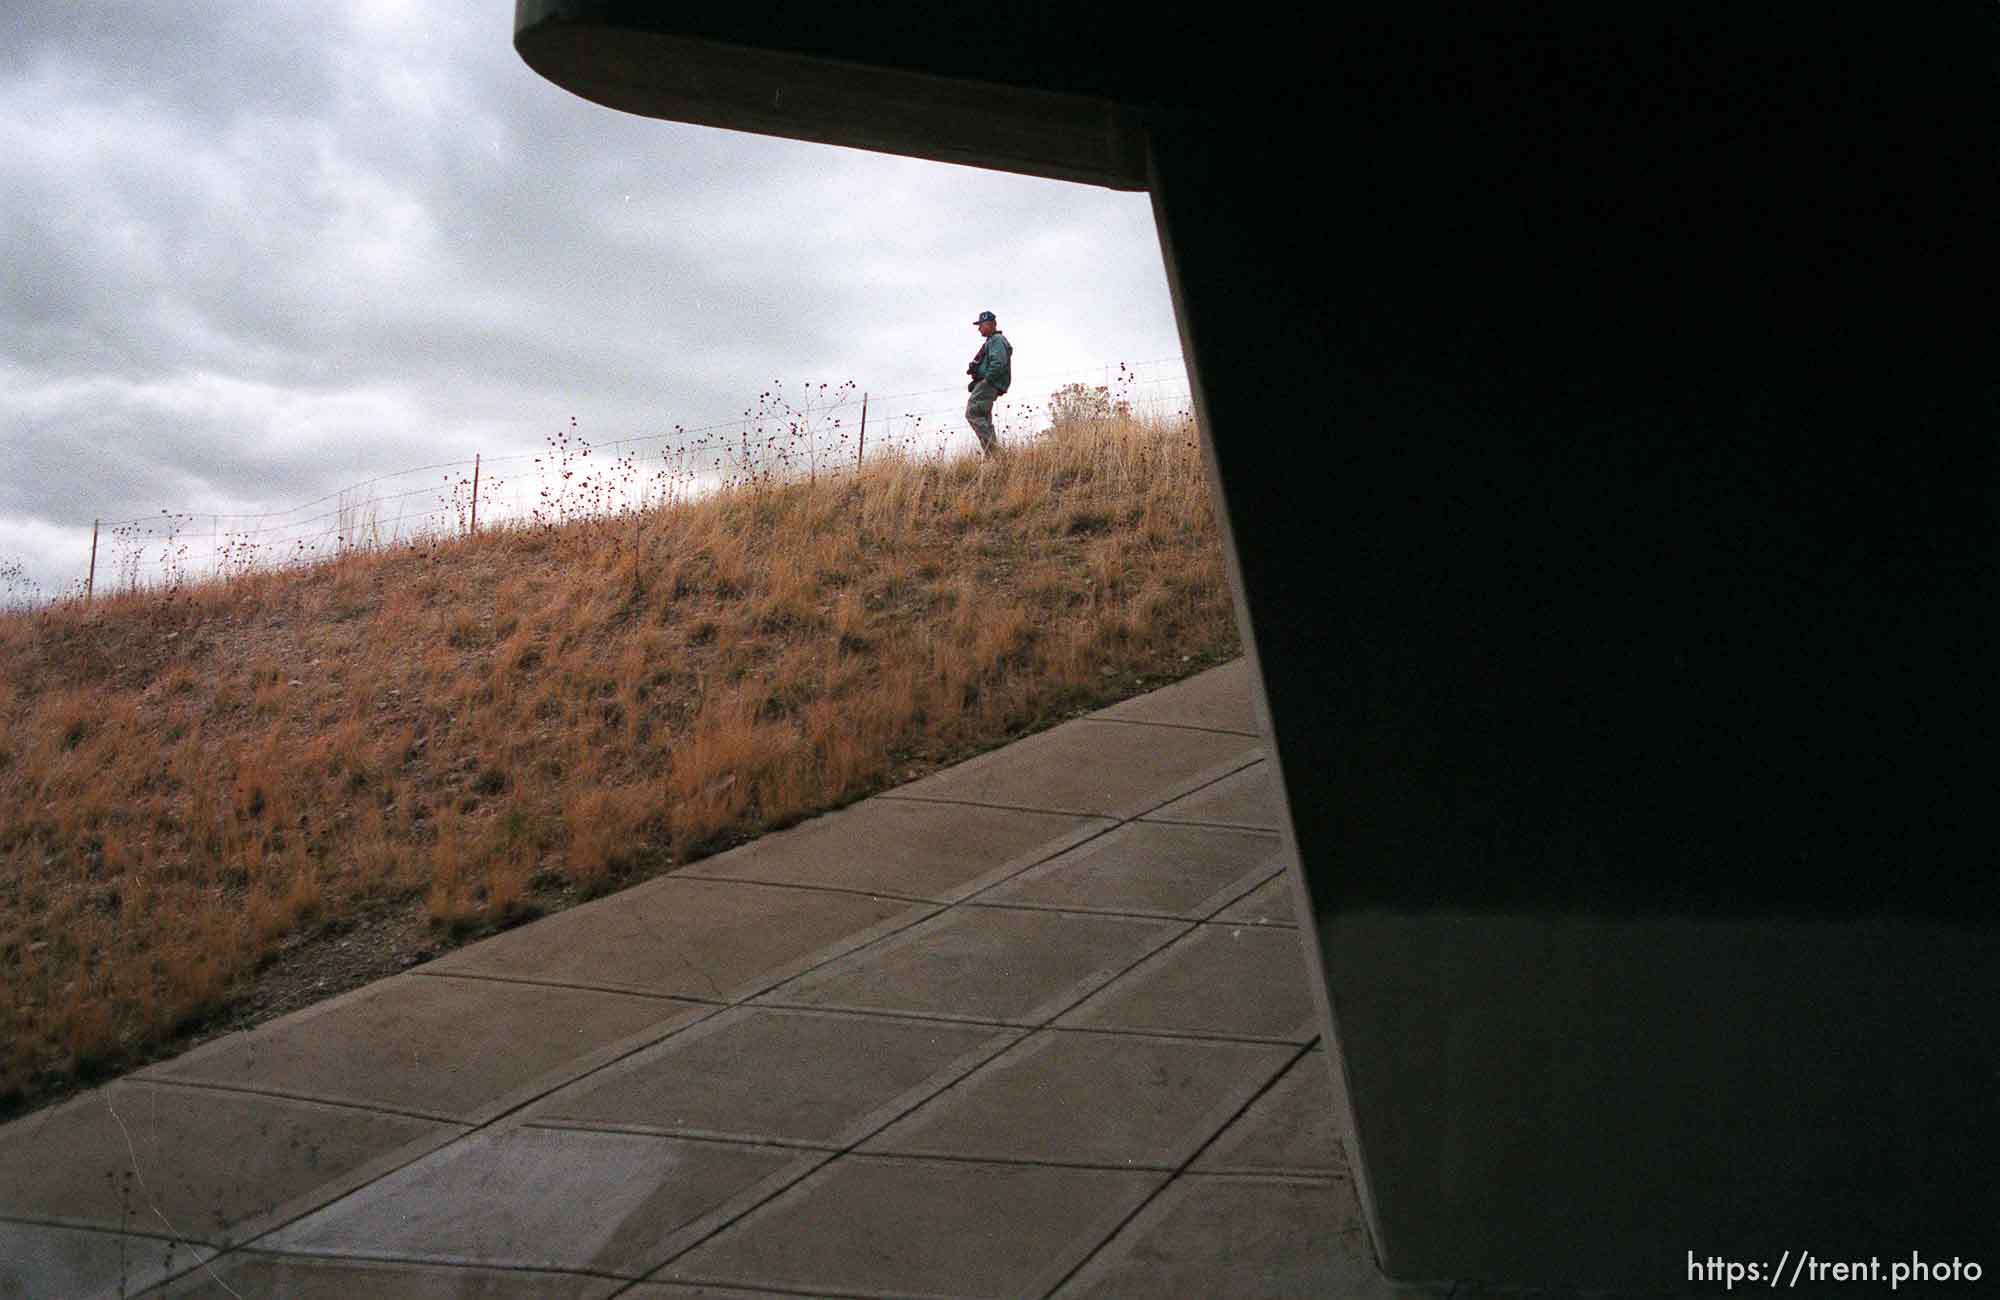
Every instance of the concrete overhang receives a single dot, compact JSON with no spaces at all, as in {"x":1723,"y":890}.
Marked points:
{"x":859,"y":96}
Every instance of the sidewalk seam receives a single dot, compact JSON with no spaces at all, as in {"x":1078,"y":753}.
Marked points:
{"x":1175,"y":726}
{"x":317,"y":1099}
{"x":1176,"y":1175}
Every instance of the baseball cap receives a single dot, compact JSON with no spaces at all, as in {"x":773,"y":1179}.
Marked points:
{"x":984,"y":317}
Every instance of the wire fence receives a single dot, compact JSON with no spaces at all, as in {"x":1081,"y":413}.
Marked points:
{"x":823,"y":431}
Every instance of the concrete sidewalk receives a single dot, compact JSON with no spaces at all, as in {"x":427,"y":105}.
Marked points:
{"x":1036,"y":1025}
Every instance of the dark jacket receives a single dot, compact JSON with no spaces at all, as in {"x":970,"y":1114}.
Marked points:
{"x":994,"y":362}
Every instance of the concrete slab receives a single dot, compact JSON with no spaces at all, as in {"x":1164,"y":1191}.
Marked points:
{"x":700,"y":939}
{"x":1288,"y":1130}
{"x":1239,"y":1239}
{"x":546,"y":1198}
{"x":297,"y":1277}
{"x":1142,"y":867}
{"x":877,"y":1225}
{"x":939,"y":852}
{"x":1235,"y":981}
{"x":1245,"y":798}
{"x":40,"y":1260}
{"x":676,"y":1291}
{"x":811,"y":1077}
{"x":1077,"y":1098}
{"x":191,"y":1162}
{"x":459,"y":1049}
{"x":1270,"y":904}
{"x":300,"y":1277}
{"x":1218,"y":699}
{"x":1091,"y":768}
{"x":997,"y":965}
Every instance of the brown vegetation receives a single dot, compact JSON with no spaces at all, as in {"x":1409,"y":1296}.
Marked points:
{"x":486,"y":728}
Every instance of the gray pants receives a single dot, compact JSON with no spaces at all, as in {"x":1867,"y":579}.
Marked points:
{"x":979,"y":414}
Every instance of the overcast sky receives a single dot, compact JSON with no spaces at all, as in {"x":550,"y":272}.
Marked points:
{"x":252,"y":253}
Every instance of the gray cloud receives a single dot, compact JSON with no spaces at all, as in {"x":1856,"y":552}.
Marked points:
{"x":251,"y":253}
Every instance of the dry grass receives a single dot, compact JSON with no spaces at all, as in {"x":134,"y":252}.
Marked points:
{"x":492,"y":727}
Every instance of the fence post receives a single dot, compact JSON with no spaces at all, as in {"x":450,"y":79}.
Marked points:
{"x":862,"y":449}
{"x":475,"y":491}
{"x":90,"y":583}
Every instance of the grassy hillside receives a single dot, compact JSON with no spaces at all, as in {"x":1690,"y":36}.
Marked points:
{"x":195,"y":784}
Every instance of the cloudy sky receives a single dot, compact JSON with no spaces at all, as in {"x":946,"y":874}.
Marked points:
{"x":253,"y":253}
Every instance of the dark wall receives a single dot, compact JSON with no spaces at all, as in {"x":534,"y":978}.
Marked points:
{"x":1610,"y":468}
{"x":1611,"y":463}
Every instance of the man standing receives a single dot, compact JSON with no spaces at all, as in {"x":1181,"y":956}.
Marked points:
{"x":992,"y":372}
